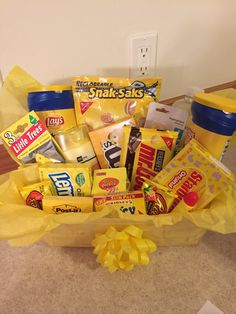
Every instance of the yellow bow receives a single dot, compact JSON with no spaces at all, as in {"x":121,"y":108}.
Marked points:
{"x":122,"y":249}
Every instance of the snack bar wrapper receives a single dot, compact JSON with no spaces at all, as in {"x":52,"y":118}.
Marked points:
{"x":107,"y":143}
{"x":130,"y":202}
{"x":67,"y":179}
{"x":100,"y":101}
{"x":194,"y":169}
{"x":28,"y":137}
{"x":67,"y":204}
{"x":145,"y":152}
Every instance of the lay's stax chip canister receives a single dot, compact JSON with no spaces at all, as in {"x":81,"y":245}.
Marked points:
{"x":67,"y":179}
{"x":101,"y":101}
{"x":145,"y":152}
{"x":55,"y":107}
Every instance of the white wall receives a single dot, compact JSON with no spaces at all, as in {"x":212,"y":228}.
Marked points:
{"x":55,"y":39}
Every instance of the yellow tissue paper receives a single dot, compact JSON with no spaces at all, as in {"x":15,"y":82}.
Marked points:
{"x":13,"y":96}
{"x":122,"y":249}
{"x":24,"y":225}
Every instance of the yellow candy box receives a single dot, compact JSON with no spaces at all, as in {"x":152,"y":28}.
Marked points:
{"x":109,"y":181}
{"x":131,"y":202}
{"x":67,"y":179}
{"x":194,"y":169}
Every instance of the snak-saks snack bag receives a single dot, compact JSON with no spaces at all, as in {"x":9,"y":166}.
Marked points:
{"x":28,"y":137}
{"x":67,"y":204}
{"x":109,"y":181}
{"x":130,"y":202}
{"x":107,"y":143}
{"x":34,"y":193}
{"x":145,"y":152}
{"x":194,"y":169}
{"x":100,"y":101}
{"x":67,"y":179}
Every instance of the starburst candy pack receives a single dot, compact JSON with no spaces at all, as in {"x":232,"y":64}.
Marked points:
{"x":28,"y":137}
{"x":194,"y":169}
{"x":100,"y":101}
{"x":145,"y":152}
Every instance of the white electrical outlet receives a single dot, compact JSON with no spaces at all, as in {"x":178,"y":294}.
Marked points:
{"x":143,"y":53}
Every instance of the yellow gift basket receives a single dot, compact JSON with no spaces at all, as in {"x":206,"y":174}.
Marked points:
{"x":120,"y":241}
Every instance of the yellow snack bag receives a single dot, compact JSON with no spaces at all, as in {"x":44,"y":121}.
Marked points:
{"x":67,"y":204}
{"x":100,"y":101}
{"x":194,"y":169}
{"x":34,"y":193}
{"x":28,"y":137}
{"x":145,"y":152}
{"x":67,"y":179}
{"x":158,"y":198}
{"x":109,"y":181}
{"x":130,"y":202}
{"x":107,"y":143}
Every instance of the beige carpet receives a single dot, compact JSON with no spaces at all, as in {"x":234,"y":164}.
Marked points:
{"x":40,"y":279}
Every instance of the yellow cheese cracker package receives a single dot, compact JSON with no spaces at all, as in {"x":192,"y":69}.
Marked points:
{"x":69,"y":179}
{"x":145,"y":152}
{"x":109,"y":181}
{"x":107,"y":143}
{"x":100,"y":101}
{"x":130,"y":202}
{"x":67,"y":204}
{"x":194,"y":169}
{"x":28,"y":137}
{"x":34,"y":193}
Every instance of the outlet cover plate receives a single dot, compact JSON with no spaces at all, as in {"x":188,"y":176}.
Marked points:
{"x":143,"y":55}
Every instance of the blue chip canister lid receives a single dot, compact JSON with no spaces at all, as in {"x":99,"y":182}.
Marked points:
{"x":207,"y":113}
{"x":51,"y":98}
